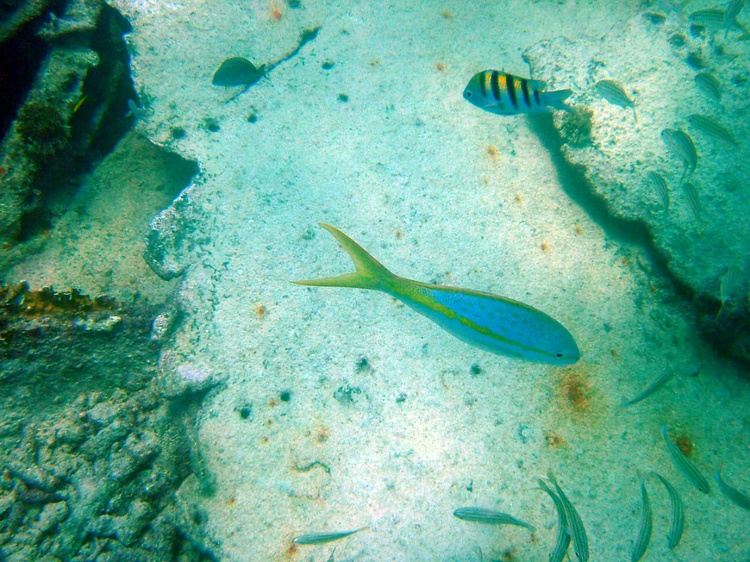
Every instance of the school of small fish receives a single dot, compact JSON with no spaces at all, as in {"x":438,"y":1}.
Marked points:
{"x":511,"y":328}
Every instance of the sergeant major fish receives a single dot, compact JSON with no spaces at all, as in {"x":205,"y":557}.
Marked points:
{"x":502,"y":93}
{"x":487,"y":321}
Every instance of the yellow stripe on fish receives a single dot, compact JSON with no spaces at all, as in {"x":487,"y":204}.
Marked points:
{"x":487,"y":321}
{"x":502,"y":93}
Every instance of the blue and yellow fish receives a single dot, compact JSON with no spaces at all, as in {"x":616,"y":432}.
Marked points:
{"x":487,"y":321}
{"x":502,"y":93}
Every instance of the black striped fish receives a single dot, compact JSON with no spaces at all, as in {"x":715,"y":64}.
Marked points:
{"x":502,"y":93}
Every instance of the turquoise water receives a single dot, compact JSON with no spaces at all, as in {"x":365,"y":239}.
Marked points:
{"x":220,"y":412}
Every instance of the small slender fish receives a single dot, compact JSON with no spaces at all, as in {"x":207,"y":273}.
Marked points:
{"x":644,"y":531}
{"x":729,"y":286}
{"x":504,"y":94}
{"x":677,"y":518}
{"x":321,"y":538}
{"x":562,"y":542}
{"x":712,"y":128}
{"x":715,"y":19}
{"x":135,"y":111}
{"x":685,"y":465}
{"x":615,"y":94}
{"x":489,"y":517}
{"x":487,"y":321}
{"x":663,"y":379}
{"x":574,"y":523}
{"x":683,"y":147}
{"x":737,"y":497}
{"x":730,"y":15}
{"x":709,"y":84}
{"x":691,"y":193}
{"x":661,"y":188}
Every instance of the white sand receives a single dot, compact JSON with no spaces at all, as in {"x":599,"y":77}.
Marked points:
{"x":404,"y":168}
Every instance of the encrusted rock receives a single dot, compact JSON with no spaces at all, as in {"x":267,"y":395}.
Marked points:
{"x":699,"y":242}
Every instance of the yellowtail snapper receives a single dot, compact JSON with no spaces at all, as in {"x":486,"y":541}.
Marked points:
{"x":685,"y":465}
{"x":646,"y":526}
{"x":615,"y":94}
{"x":562,"y":542}
{"x":712,"y":128}
{"x":737,"y":497}
{"x":502,"y":93}
{"x":489,"y":517}
{"x":322,"y":538}
{"x":487,"y":321}
{"x":682,"y":146}
{"x":677,"y":515}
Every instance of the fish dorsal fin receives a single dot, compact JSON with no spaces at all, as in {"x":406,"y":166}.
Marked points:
{"x":538,"y":84}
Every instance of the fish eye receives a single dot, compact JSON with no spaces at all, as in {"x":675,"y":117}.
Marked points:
{"x":559,"y":355}
{"x":468,"y":94}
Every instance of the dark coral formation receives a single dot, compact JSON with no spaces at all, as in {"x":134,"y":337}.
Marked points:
{"x":96,"y":461}
{"x":42,"y":127}
{"x":576,"y":126}
{"x":64,"y":100}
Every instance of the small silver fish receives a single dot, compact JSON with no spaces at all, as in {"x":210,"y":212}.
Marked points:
{"x":729,"y":285}
{"x":677,"y":519}
{"x":661,"y":188}
{"x":715,"y":19}
{"x":135,"y":111}
{"x":650,"y":389}
{"x":575,"y":525}
{"x":489,"y":517}
{"x":737,"y":497}
{"x":646,"y":526}
{"x":713,"y":128}
{"x":685,"y":465}
{"x":709,"y":84}
{"x":730,"y":15}
{"x":691,"y":193}
{"x":321,"y":538}
{"x":615,"y":94}
{"x":504,"y":94}
{"x":683,"y":147}
{"x":562,"y":542}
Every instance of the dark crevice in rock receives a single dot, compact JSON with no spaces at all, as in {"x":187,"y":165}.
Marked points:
{"x":69,"y":74}
{"x":729,"y":335}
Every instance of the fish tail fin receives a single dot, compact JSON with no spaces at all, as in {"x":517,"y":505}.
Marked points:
{"x":557,"y":99}
{"x":369,"y":274}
